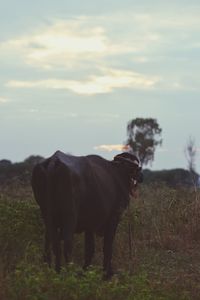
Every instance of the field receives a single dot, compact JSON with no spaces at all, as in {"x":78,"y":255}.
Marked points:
{"x":164,"y":263}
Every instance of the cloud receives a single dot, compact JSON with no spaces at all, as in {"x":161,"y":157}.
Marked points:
{"x":104,"y":83}
{"x":154,"y":43}
{"x":110,"y":148}
{"x":64,"y":44}
{"x":3,"y":100}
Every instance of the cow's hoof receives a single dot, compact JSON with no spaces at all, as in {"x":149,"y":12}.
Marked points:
{"x":107,"y":275}
{"x":85,"y":267}
{"x":80,"y":273}
{"x":58,"y":269}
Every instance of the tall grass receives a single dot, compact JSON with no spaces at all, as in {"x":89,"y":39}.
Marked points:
{"x":164,"y":264}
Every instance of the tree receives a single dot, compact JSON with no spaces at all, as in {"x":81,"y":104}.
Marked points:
{"x":143,"y":138}
{"x":190,"y":153}
{"x":33,"y":160}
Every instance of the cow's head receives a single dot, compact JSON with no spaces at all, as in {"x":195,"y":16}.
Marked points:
{"x":133,"y":167}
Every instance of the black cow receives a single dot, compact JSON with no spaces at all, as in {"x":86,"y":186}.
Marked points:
{"x":83,"y":194}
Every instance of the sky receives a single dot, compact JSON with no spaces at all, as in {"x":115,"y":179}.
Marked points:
{"x":73,"y":73}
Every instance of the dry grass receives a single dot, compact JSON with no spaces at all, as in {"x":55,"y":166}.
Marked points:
{"x":165,"y":261}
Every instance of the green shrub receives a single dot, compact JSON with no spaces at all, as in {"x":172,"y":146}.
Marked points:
{"x":36,"y":282}
{"x":20,"y":226}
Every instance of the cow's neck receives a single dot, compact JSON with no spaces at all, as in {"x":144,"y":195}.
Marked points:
{"x":124,"y":182}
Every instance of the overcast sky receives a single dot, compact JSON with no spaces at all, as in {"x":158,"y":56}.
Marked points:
{"x":73,"y":73}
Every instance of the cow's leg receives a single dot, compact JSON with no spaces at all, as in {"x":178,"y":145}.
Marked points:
{"x":108,"y":243}
{"x":47,"y":249}
{"x":56,"y":243}
{"x":65,"y":190}
{"x":68,"y":243}
{"x":68,"y":234}
{"x":89,"y":248}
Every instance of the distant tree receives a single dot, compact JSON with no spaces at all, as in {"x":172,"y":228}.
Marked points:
{"x":143,"y":138}
{"x":190,"y":153}
{"x":5,"y":163}
{"x":33,"y":160}
{"x":173,"y":177}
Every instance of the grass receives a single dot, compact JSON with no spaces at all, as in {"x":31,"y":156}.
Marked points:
{"x":164,"y":263}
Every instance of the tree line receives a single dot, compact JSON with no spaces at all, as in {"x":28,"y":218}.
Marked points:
{"x":143,"y":137}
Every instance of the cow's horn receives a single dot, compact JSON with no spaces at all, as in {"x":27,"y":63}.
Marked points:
{"x":126,"y":159}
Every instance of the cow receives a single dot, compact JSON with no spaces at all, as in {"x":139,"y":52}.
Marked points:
{"x":83,"y":194}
